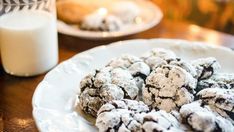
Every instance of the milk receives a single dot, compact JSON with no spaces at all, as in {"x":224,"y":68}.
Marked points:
{"x":28,"y":42}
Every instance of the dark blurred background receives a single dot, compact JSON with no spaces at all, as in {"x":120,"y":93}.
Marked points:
{"x":214,"y":14}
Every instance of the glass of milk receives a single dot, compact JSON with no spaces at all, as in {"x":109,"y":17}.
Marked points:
{"x":28,"y":36}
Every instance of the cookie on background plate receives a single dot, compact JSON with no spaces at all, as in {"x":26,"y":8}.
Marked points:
{"x":126,"y":10}
{"x":73,"y":11}
{"x":97,"y":21}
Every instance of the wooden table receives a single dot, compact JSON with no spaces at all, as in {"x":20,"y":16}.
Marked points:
{"x":16,"y":92}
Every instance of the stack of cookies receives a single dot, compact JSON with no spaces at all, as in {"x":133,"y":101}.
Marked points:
{"x":159,"y":91}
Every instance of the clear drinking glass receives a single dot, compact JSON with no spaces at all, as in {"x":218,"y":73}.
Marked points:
{"x":28,"y":36}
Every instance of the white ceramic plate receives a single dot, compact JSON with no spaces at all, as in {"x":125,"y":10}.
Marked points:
{"x":150,"y":14}
{"x":55,"y":97}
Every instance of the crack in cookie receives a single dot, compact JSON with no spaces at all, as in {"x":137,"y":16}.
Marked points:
{"x":105,"y":85}
{"x":206,"y":67}
{"x":172,"y":88}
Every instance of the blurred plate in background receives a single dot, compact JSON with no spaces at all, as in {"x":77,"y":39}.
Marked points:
{"x":150,"y":16}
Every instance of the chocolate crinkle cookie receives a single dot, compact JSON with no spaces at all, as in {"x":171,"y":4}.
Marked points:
{"x":220,"y":112}
{"x":157,"y":57}
{"x":183,"y":126}
{"x":177,"y":95}
{"x":139,"y":69}
{"x":219,"y":80}
{"x":160,"y":121}
{"x":121,"y":116}
{"x":97,"y":22}
{"x":169,"y":87}
{"x":105,"y":85}
{"x":133,"y":116}
{"x":221,"y":98}
{"x":201,"y":118}
{"x":184,"y":65}
{"x":227,"y":78}
{"x":206,"y":67}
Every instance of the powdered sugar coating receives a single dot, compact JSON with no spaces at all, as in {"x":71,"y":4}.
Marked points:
{"x":168,"y":87}
{"x":185,"y":65}
{"x":225,"y":114}
{"x":220,"y":80}
{"x":160,"y":121}
{"x":209,"y":83}
{"x":157,"y":57}
{"x":128,"y":115}
{"x":183,"y":126}
{"x":121,"y":115}
{"x":99,"y":22}
{"x":201,"y":118}
{"x":206,"y":67}
{"x":111,"y":23}
{"x":135,"y":65}
{"x":105,"y":85}
{"x":221,"y":98}
{"x":223,"y":77}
